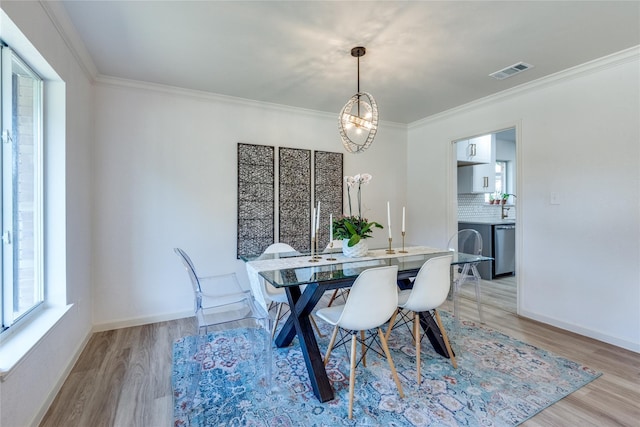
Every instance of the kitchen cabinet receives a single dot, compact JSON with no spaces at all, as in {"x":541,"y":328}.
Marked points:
{"x":476,"y":150}
{"x":477,"y":174}
{"x":477,"y":179}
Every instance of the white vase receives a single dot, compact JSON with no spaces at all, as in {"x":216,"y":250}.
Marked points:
{"x":358,"y":250}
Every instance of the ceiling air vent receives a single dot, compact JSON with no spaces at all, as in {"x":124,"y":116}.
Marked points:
{"x":511,"y":70}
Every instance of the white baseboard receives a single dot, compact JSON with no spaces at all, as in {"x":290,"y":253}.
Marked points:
{"x":37,"y":418}
{"x":628,"y":345}
{"x":139,"y":321}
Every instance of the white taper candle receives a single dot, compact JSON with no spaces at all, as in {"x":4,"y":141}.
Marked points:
{"x":389,"y":218}
{"x":330,"y":227}
{"x":403,"y":219}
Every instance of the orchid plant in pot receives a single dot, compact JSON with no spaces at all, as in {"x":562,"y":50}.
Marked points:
{"x":354,"y":229}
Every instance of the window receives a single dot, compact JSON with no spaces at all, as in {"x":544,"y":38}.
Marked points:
{"x":501,"y":177}
{"x":501,"y":181}
{"x":21,"y":180}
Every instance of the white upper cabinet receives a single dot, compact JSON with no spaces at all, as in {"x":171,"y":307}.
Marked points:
{"x":476,"y":150}
{"x":476,"y":165}
{"x":477,"y":179}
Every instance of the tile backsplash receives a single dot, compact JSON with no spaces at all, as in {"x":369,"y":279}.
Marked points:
{"x":472,"y":207}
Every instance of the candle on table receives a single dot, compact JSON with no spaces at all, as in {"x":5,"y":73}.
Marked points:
{"x":313,"y":223}
{"x":403,"y":219}
{"x":389,"y":218}
{"x":330,"y":227}
{"x":318,"y":217}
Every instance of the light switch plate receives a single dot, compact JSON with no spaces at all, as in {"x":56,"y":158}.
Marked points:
{"x":555,"y":198}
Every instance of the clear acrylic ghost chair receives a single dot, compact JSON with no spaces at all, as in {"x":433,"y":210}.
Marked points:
{"x":469,"y":242}
{"x":430,"y":289}
{"x":219,"y":299}
{"x":220,"y":304}
{"x":278,"y":296}
{"x":370,"y":304}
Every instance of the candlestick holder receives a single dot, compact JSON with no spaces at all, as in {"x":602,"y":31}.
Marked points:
{"x":331,"y":258}
{"x":390,"y":251}
{"x":317,"y":256}
{"x":403,"y":251}
{"x":313,"y":245}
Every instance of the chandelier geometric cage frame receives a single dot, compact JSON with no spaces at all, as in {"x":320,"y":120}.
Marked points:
{"x":358,"y":120}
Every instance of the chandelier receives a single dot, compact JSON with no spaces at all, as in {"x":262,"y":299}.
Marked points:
{"x":358,"y":121}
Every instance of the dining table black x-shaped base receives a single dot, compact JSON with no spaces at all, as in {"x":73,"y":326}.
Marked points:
{"x":299,"y":324}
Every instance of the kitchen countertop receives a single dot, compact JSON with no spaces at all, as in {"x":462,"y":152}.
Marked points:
{"x":506,"y":221}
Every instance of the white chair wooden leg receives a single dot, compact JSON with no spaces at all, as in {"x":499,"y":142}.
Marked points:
{"x":392,"y":322}
{"x":331,"y":342}
{"x":446,"y":339}
{"x":315,"y":326}
{"x":352,"y":374}
{"x":364,"y":349}
{"x":333,"y":297}
{"x":387,"y":353}
{"x":416,"y":334}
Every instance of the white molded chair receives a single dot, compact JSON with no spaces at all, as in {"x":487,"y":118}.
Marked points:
{"x":430,"y":290}
{"x":371,"y":302}
{"x":273,"y":295}
{"x":470,"y":242}
{"x":278,"y":296}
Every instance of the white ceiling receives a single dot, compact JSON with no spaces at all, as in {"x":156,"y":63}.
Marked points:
{"x":422,"y":57}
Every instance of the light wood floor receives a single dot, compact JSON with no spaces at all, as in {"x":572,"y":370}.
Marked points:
{"x":499,"y":293}
{"x":122,"y":378}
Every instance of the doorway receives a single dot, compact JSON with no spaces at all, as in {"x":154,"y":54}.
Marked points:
{"x":485,"y":174}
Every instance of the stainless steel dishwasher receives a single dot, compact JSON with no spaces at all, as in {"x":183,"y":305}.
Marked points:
{"x":504,"y":238}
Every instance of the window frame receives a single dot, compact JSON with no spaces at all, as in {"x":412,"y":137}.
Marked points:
{"x":11,"y":288}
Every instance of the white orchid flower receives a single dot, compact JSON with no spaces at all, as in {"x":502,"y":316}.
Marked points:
{"x":356,"y":178}
{"x":365,"y":178}
{"x":350,"y":180}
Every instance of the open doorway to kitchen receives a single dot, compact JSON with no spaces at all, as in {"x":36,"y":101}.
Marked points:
{"x":485,"y":174}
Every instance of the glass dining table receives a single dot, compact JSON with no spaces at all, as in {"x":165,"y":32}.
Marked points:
{"x":332,"y":271}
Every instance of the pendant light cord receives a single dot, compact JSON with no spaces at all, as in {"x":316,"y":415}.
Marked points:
{"x":358,"y":92}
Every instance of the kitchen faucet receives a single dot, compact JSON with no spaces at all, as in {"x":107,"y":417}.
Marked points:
{"x":504,"y":212}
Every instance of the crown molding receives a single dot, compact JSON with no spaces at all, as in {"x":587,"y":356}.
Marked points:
{"x":610,"y":61}
{"x":63,"y":25}
{"x":108,"y":81}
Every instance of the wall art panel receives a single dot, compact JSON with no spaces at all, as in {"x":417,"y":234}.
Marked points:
{"x":295,"y":198}
{"x":328,"y":190}
{"x":256,"y":198}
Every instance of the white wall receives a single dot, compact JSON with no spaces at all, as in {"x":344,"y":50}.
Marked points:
{"x":28,"y":389}
{"x":165,"y":176}
{"x":578,"y":262}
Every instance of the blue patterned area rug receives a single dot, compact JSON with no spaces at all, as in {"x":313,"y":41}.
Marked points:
{"x":500,"y":381}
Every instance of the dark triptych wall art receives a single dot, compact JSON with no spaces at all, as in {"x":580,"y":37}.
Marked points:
{"x":256,"y":198}
{"x":257,"y":203}
{"x":294,"y":170}
{"x":328,"y":191}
